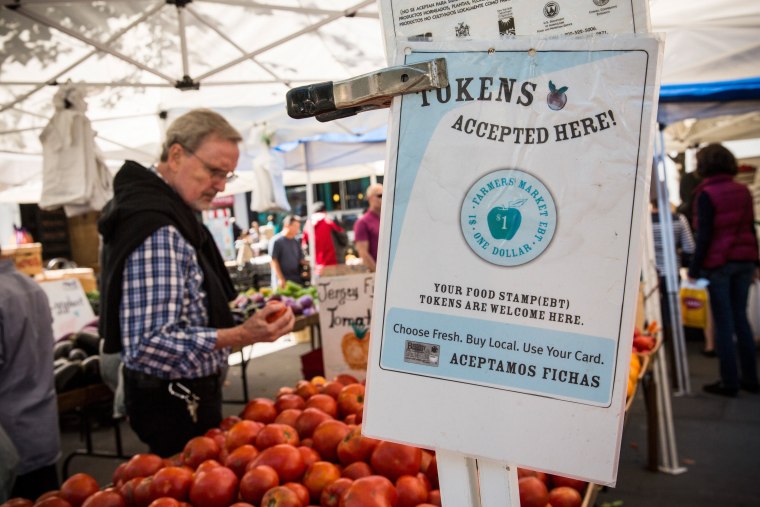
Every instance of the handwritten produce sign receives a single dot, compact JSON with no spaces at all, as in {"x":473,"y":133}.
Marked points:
{"x":69,"y":306}
{"x":510,"y":251}
{"x":345,"y":317}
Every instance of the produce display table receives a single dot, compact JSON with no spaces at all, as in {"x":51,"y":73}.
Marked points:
{"x":85,"y":402}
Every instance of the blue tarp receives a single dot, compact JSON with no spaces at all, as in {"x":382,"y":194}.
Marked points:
{"x":739,"y":89}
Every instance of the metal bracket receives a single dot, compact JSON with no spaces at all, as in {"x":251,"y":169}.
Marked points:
{"x":333,"y":100}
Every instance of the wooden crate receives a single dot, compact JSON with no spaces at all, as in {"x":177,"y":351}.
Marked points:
{"x":86,"y":277}
{"x":28,"y":258}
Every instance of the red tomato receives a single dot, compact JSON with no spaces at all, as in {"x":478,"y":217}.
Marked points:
{"x":238,"y":460}
{"x":565,"y":496}
{"x":411,"y":491}
{"x":143,"y":495}
{"x":217,"y":487}
{"x":332,"y":493}
{"x":346,"y":379}
{"x":327,"y":436}
{"x":127,"y":490}
{"x":117,"y":478}
{"x":372,"y":491}
{"x":172,"y":482}
{"x":218,"y":435}
{"x":289,"y":416}
{"x":332,"y":388}
{"x":533,"y":492}
{"x":355,"y":447}
{"x":142,"y":465}
{"x":289,"y":400}
{"x":309,"y":455}
{"x":206,"y":465}
{"x":318,"y":476}
{"x":577,"y":484}
{"x":228,"y":422}
{"x":286,"y":460}
{"x":273,"y":434}
{"x":241,"y":504}
{"x":199,"y":449}
{"x":432,"y":472}
{"x":309,"y":419}
{"x":527,"y":472}
{"x":165,"y":501}
{"x":257,"y":481}
{"x":277,"y":313}
{"x":350,"y":399}
{"x":53,"y":501}
{"x":306,"y":389}
{"x":394,"y":460}
{"x":260,"y":410}
{"x":357,"y":470}
{"x":323,"y":402}
{"x":280,"y":496}
{"x":434,"y":497}
{"x":48,"y":494}
{"x":77,"y":488}
{"x":300,"y":491}
{"x":242,"y":433}
{"x":107,"y":498}
{"x":18,"y":502}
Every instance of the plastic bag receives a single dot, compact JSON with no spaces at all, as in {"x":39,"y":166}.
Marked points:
{"x":694,"y":304}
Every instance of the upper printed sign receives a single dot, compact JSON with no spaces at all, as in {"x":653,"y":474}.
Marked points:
{"x":450,"y":20}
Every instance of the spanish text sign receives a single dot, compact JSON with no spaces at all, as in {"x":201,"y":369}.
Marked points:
{"x":510,"y":252}
{"x":441,"y":20}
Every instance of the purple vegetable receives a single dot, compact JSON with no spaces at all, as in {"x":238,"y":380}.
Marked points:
{"x":297,"y":308}
{"x":306,"y":301}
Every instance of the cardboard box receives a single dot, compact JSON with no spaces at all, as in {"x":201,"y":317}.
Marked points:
{"x":28,"y":257}
{"x":86,"y":277}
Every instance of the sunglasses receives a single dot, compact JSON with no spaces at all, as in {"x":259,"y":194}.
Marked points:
{"x":216,"y":174}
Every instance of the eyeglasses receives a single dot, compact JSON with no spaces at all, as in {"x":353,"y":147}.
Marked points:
{"x":216,"y":174}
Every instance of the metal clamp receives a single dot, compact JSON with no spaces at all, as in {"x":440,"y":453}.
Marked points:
{"x":332,"y":100}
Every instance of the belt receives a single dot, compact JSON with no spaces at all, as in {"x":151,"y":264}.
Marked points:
{"x":150,"y":381}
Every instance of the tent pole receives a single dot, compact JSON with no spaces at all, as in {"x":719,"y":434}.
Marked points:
{"x":671,"y":272}
{"x":309,"y":209}
{"x":183,"y":40}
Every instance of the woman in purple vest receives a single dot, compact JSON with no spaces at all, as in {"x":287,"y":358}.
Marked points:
{"x":727,"y":255}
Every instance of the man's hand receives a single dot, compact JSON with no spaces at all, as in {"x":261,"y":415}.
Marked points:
{"x":258,"y":328}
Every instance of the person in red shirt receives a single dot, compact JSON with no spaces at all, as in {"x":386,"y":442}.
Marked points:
{"x":324,"y":226}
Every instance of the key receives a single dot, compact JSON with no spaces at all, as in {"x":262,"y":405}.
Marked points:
{"x":192,"y":407}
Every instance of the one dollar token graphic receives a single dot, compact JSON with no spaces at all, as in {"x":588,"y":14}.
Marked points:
{"x":505,"y":222}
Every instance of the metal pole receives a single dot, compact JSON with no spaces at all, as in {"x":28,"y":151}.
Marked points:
{"x":671,"y":273}
{"x":309,"y":209}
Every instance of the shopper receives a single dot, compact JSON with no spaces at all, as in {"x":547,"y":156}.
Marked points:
{"x":28,"y":408}
{"x":326,"y":234}
{"x":165,"y":289}
{"x":367,"y":228}
{"x":286,"y":254}
{"x":727,"y":255}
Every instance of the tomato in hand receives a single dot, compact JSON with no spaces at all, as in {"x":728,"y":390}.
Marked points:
{"x":277,"y":313}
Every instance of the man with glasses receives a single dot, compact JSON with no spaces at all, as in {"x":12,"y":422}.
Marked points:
{"x":367,"y":228}
{"x":165,"y":291}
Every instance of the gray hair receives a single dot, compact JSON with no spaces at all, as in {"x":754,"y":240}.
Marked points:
{"x":192,"y":128}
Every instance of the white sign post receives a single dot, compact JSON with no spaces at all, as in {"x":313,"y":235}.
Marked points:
{"x":509,"y":257}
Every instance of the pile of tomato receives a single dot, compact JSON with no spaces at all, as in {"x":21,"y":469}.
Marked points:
{"x":304,"y":448}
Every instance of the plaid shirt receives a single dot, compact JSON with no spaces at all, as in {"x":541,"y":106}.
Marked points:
{"x":163,"y":313}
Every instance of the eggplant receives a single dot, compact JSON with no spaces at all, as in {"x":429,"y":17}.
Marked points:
{"x":88,"y":342}
{"x":91,"y":369}
{"x":68,"y":376}
{"x":78,"y":354}
{"x":62,"y":348}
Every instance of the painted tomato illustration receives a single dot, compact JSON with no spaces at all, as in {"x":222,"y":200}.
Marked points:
{"x":504,"y":222}
{"x":355,"y":347}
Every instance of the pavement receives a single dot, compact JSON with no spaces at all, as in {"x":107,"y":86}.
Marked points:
{"x":717,"y":439}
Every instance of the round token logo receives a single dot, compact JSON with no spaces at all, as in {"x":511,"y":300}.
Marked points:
{"x":508,"y":217}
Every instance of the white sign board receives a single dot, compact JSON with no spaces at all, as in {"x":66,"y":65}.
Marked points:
{"x":345,"y":317}
{"x":69,"y":305}
{"x":509,"y":257}
{"x":441,"y":20}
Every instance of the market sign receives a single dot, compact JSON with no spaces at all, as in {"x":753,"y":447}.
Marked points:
{"x":509,"y":258}
{"x":439,"y":20}
{"x":69,"y":306}
{"x":345,"y":317}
